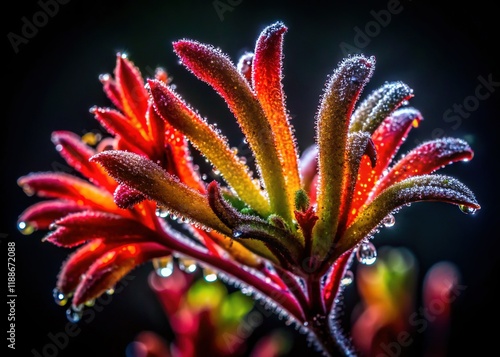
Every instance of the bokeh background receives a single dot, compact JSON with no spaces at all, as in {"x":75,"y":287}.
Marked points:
{"x":441,"y":51}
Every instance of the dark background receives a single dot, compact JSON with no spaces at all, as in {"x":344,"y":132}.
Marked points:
{"x":52,"y":81}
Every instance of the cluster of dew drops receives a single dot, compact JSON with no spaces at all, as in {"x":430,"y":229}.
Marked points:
{"x":365,"y":252}
{"x":164,"y":268}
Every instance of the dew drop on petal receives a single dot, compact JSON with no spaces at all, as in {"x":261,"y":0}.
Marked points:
{"x":348,"y":278}
{"x":366,"y":253}
{"x":161,"y":212}
{"x":389,"y":220}
{"x":209,"y":275}
{"x":467,"y":210}
{"x":187,"y":265}
{"x":237,"y":234}
{"x":74,"y":314}
{"x":25,"y":228}
{"x":60,"y":298}
{"x":164,"y":267}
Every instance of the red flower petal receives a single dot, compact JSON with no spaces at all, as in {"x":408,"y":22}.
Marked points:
{"x":111,"y":89}
{"x":42,"y":214}
{"x":78,"y":262}
{"x":68,"y":187}
{"x":413,"y":189}
{"x":77,"y":228}
{"x":133,"y":95}
{"x":112,"y":266}
{"x":333,"y":283}
{"x":266,"y":79}
{"x":119,"y":125}
{"x":426,"y":158}
{"x":77,"y":154}
{"x":387,"y":139}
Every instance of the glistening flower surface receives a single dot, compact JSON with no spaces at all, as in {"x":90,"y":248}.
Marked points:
{"x":287,"y":231}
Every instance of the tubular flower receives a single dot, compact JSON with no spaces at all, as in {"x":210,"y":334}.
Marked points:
{"x":289,"y":229}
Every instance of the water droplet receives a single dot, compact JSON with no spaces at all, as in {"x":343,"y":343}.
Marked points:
{"x":348,"y":278}
{"x":60,"y":298}
{"x":467,"y":210}
{"x":237,"y":234}
{"x":187,"y":265}
{"x":110,"y":291}
{"x":389,"y":220}
{"x":74,"y":313}
{"x":104,"y":77}
{"x":90,"y":302}
{"x":161,"y":212}
{"x":209,"y":275}
{"x":25,"y":228}
{"x":366,"y":253}
{"x":164,"y":267}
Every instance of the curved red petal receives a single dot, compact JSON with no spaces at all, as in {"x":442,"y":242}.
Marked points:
{"x":112,"y":266}
{"x":134,"y":96}
{"x":119,"y":125}
{"x":77,"y":154}
{"x":64,"y":186}
{"x":42,"y":214}
{"x":77,"y":228}
{"x":426,"y":158}
{"x":267,"y":83}
{"x":387,"y":138}
{"x":78,"y":262}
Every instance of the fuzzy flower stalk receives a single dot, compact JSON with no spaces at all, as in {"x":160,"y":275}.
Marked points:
{"x":287,"y":231}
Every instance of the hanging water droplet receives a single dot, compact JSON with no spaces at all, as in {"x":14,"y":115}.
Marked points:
{"x":467,"y":210}
{"x":110,"y":291}
{"x":209,"y":275}
{"x":348,"y":278}
{"x":74,"y":314}
{"x":90,"y":302}
{"x":60,"y":298}
{"x":187,"y":265}
{"x":161,"y":212}
{"x":366,"y":253}
{"x":237,"y":234}
{"x":164,"y":267}
{"x":389,"y":220}
{"x":25,"y":228}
